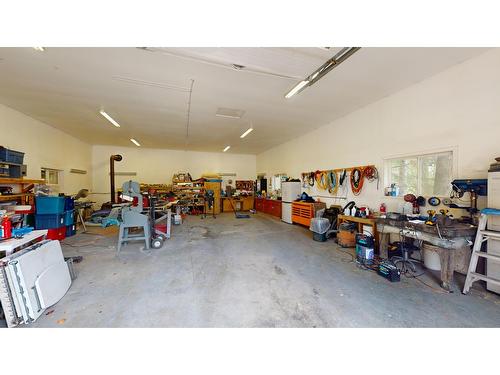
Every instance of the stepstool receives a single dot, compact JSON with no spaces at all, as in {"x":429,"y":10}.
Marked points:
{"x":482,"y":235}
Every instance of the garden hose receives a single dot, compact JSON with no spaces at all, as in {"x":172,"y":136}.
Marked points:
{"x":321,"y":179}
{"x":357,"y":180}
{"x":310,"y":179}
{"x":371,"y":174}
{"x":332,"y":182}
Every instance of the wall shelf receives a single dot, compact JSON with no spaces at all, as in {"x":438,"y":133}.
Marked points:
{"x":22,"y":181}
{"x":12,"y":197}
{"x":24,"y":193}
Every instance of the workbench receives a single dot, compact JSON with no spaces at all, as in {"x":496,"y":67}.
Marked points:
{"x":452,"y":243}
{"x":240,"y":203}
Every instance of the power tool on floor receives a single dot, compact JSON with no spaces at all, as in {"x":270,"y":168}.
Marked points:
{"x":365,"y":249}
{"x":389,"y":271}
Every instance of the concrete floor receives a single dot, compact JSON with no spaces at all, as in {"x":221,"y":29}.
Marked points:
{"x":256,"y":272}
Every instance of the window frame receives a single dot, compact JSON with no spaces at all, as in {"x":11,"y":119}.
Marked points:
{"x":454,"y":167}
{"x":278,"y":177}
{"x":49,"y":170}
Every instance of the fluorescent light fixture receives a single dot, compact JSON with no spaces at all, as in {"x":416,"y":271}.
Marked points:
{"x":135,"y":142}
{"x":299,"y":86}
{"x":246,"y":133}
{"x":319,"y":73}
{"x":227,"y":148}
{"x":41,"y":49}
{"x":109,"y":118}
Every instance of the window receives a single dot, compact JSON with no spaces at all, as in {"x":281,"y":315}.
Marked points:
{"x":51,"y":176}
{"x":276,"y":181}
{"x":427,"y":175}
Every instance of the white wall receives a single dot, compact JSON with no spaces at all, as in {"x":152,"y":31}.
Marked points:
{"x":159,"y":165}
{"x":456,"y":109}
{"x":45,"y":146}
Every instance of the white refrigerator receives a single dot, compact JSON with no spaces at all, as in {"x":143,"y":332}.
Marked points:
{"x":492,"y":267}
{"x":290,"y":191}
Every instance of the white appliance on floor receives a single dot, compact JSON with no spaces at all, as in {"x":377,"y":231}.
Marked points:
{"x":32,"y":280}
{"x":290,"y":191}
{"x":493,"y":268}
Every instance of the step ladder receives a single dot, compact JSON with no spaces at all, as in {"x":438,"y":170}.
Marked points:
{"x":482,"y":235}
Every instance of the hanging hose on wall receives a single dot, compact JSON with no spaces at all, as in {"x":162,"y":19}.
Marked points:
{"x":371,"y":174}
{"x":342,"y":178}
{"x":321,"y":179}
{"x":304,"y":180}
{"x":310,"y":179}
{"x":357,"y":180}
{"x":332,"y":182}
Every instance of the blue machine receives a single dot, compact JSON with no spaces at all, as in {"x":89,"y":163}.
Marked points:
{"x":475,"y":188}
{"x":479,"y":187}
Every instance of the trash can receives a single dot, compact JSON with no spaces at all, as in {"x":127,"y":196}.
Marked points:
{"x":319,"y":227}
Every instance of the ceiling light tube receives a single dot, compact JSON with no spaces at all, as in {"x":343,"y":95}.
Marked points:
{"x":109,"y":118}
{"x":135,"y":142}
{"x":227,"y":148}
{"x":336,"y":60}
{"x":299,"y":86}
{"x":319,"y":73}
{"x":246,"y":133}
{"x":41,"y":49}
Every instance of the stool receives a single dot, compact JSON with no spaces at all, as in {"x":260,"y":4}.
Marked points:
{"x":405,"y":260}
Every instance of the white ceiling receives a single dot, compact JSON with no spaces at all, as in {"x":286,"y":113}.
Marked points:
{"x":147,"y":90}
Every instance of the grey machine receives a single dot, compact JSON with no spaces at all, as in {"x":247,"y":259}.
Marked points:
{"x":135,"y":216}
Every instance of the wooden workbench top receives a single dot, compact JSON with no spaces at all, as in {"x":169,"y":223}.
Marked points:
{"x":451,"y":231}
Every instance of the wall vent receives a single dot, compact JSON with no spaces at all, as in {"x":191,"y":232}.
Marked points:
{"x":229,"y":112}
{"x":77,"y":171}
{"x":125,"y":173}
{"x":160,"y":85}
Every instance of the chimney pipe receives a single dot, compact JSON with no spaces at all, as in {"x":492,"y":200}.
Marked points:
{"x":112,"y":160}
